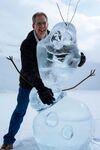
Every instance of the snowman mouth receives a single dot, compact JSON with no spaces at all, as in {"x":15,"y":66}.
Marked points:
{"x":62,"y":51}
{"x":60,"y":54}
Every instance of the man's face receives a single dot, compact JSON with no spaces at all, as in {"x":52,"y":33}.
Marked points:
{"x":40,"y":26}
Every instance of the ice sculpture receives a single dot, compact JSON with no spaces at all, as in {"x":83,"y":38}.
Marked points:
{"x":67,"y":125}
{"x":57,"y":55}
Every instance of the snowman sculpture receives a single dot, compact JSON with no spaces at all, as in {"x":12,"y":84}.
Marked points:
{"x":67,"y":124}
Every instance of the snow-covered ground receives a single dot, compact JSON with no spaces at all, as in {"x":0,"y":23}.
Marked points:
{"x":25,"y":140}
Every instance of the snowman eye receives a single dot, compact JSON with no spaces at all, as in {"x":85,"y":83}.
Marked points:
{"x":51,"y":119}
{"x":56,"y":36}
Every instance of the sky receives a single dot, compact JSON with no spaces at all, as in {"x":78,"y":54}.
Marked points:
{"x":15,"y":23}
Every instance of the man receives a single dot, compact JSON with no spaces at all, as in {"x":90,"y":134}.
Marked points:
{"x":29,"y":78}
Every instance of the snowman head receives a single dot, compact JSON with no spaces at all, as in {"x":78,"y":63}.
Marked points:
{"x":62,"y":45}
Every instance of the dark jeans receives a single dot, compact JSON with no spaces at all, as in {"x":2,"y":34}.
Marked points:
{"x":17,"y":116}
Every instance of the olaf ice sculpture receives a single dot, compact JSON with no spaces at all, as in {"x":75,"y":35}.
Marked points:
{"x":66,"y":125}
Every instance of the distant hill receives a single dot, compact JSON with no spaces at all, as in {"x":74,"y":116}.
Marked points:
{"x":9,"y":78}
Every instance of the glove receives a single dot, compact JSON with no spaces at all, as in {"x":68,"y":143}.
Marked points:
{"x":46,"y":96}
{"x":82,"y":60}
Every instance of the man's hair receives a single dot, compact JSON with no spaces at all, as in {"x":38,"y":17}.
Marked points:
{"x":38,"y":14}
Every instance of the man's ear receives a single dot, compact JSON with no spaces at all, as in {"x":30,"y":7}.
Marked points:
{"x":33,"y":26}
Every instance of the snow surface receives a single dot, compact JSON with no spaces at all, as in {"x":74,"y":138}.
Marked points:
{"x":24,"y":137}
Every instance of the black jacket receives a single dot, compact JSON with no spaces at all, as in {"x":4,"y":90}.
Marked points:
{"x":29,"y":64}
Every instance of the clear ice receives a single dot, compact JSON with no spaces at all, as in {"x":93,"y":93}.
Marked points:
{"x":67,"y":124}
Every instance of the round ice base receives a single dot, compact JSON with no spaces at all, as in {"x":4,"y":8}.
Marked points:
{"x":67,"y":125}
{"x":45,"y":147}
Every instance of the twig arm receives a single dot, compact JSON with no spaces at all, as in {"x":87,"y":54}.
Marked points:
{"x":92,"y":73}
{"x":11,"y":59}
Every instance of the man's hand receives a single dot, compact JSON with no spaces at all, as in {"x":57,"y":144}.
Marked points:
{"x":82,"y":60}
{"x":46,"y":96}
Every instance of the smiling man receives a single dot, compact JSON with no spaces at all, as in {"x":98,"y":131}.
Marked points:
{"x":40,"y":25}
{"x":29,"y":77}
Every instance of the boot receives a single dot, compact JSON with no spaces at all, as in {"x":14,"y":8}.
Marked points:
{"x":6,"y":147}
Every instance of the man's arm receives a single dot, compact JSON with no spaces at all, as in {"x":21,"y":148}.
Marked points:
{"x":31,"y":72}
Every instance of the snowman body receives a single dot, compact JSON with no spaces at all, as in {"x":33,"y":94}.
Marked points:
{"x":67,"y":125}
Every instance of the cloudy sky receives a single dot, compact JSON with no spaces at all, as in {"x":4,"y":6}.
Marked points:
{"x":15,"y":23}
